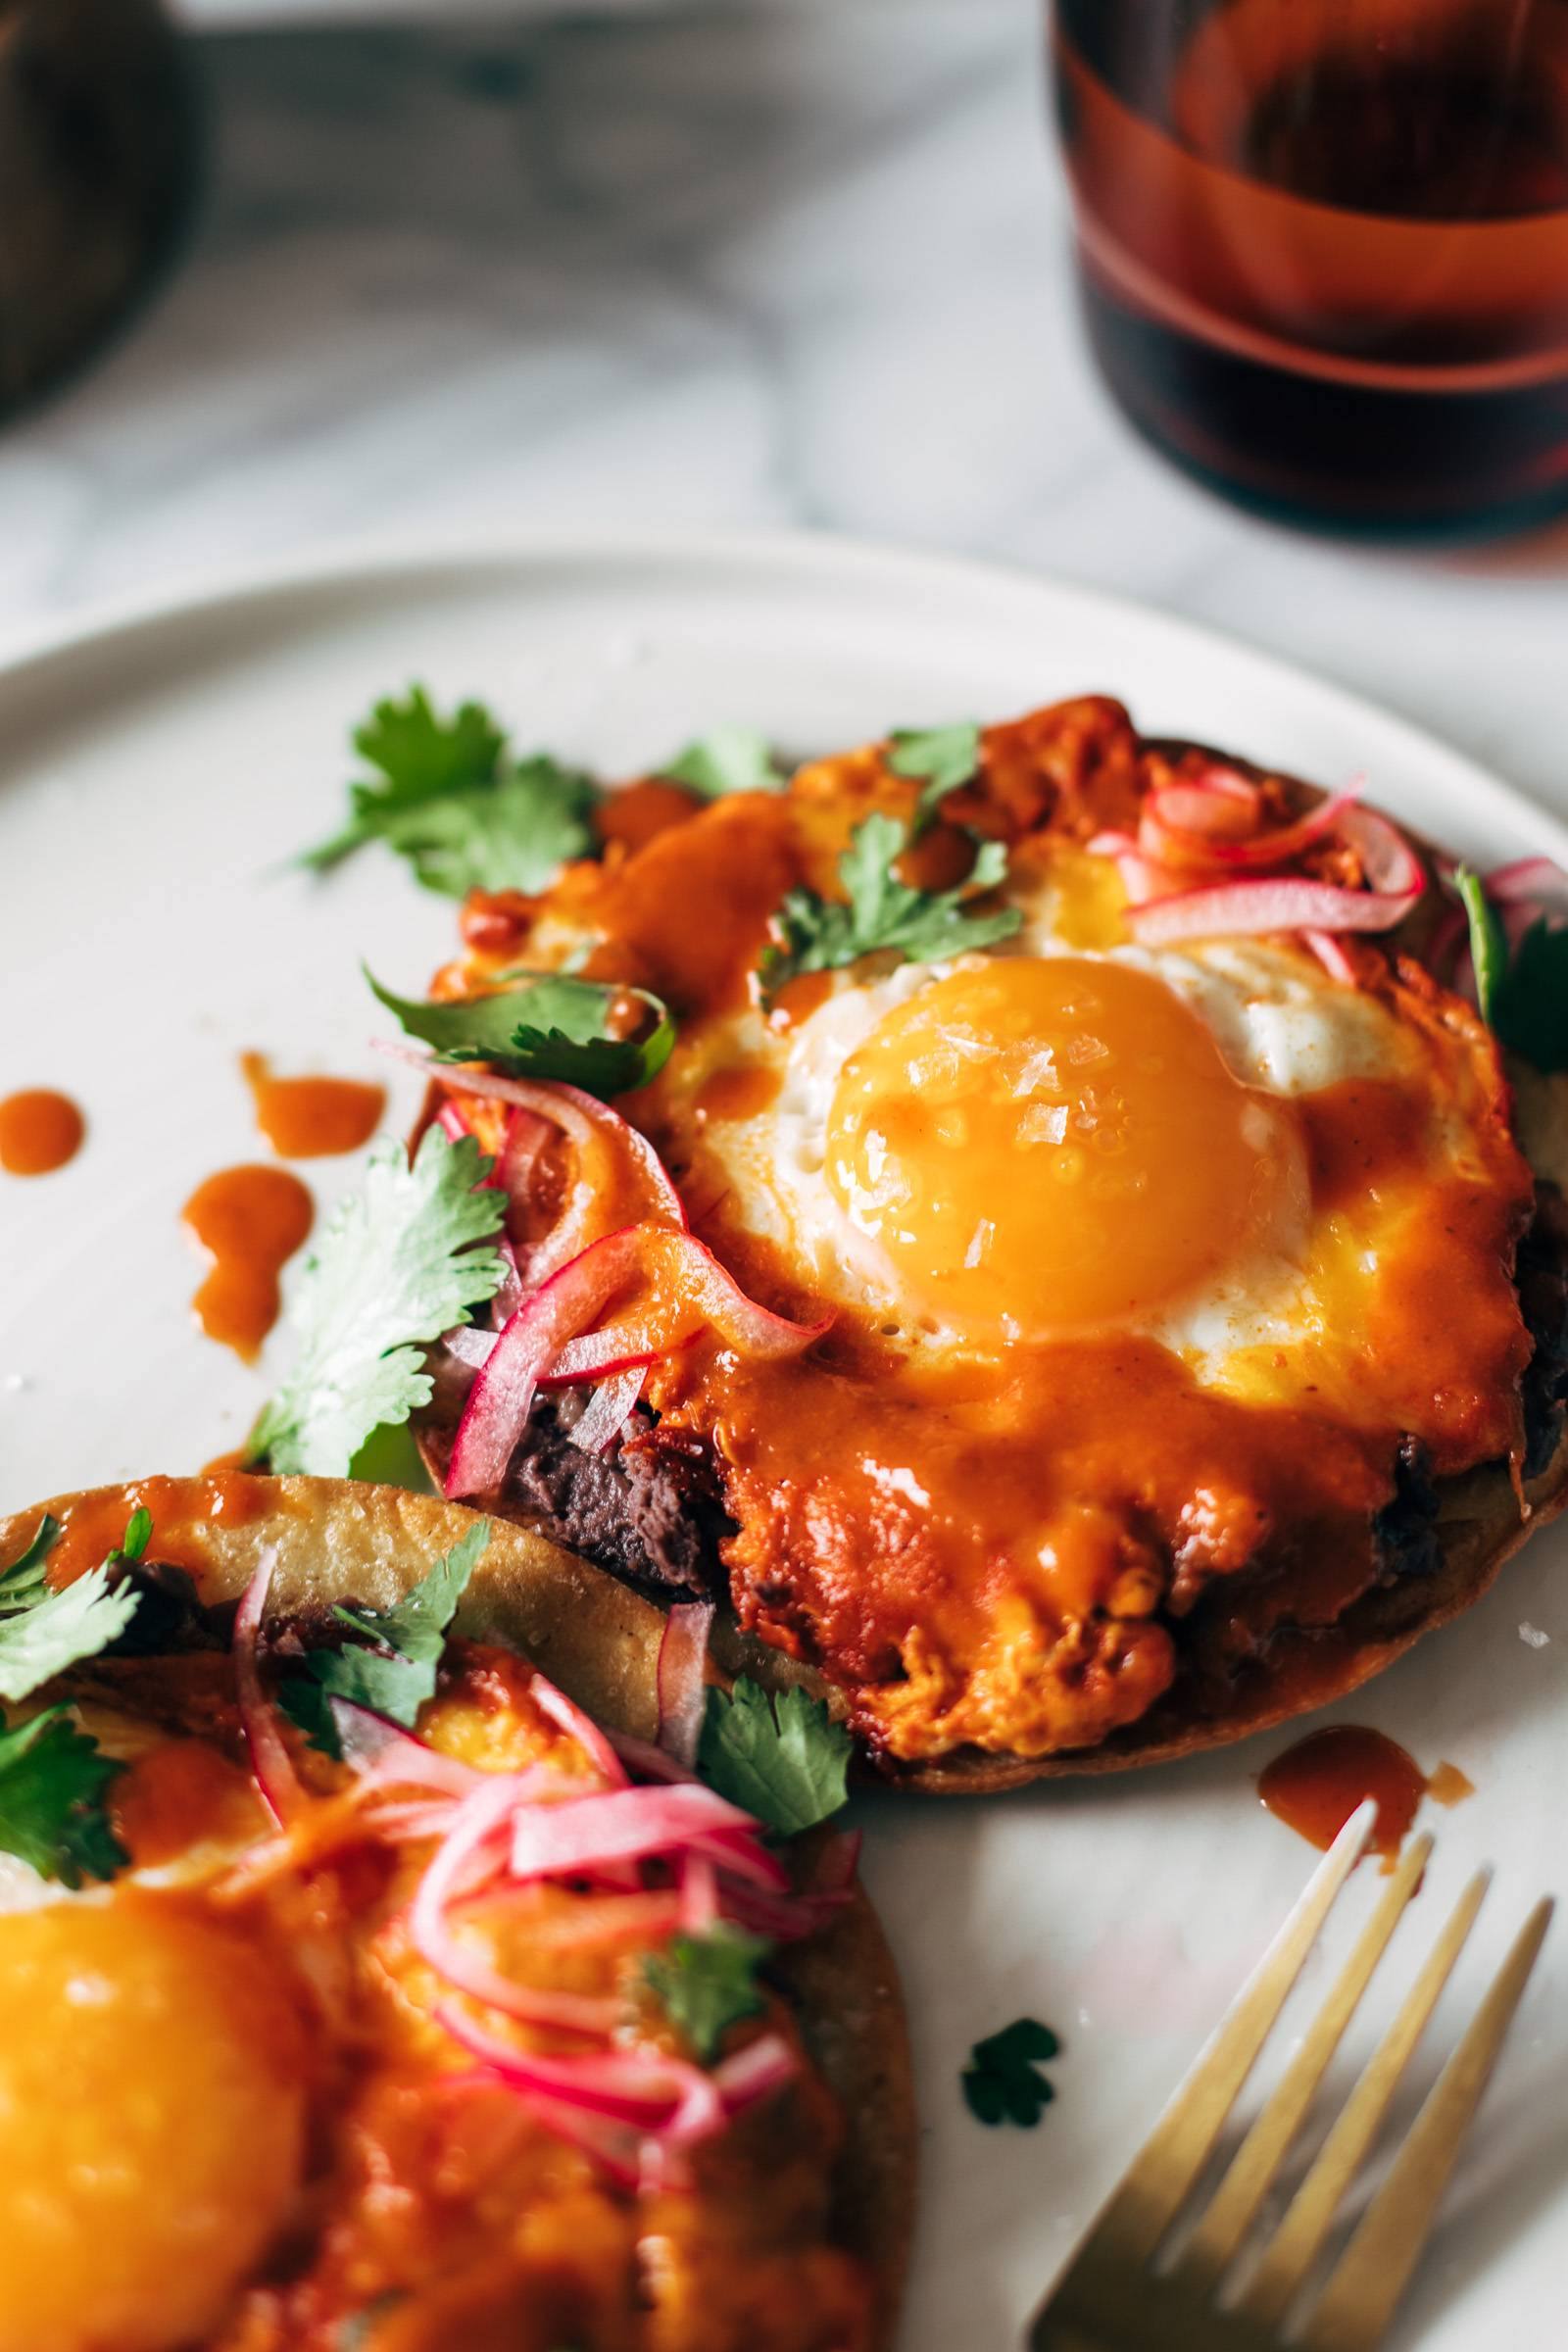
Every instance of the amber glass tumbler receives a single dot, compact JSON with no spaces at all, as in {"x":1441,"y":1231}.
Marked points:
{"x":1324,"y":246}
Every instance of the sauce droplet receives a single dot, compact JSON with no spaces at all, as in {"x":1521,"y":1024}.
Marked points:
{"x":311,"y":1118}
{"x":184,"y":1511}
{"x":239,"y":1457}
{"x":1448,"y":1785}
{"x":1315,"y":1787}
{"x":251,"y":1221}
{"x":739,"y":1093}
{"x":799,"y":998}
{"x":39,"y":1130}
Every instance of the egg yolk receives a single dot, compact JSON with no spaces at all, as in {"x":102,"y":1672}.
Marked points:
{"x":1051,"y":1144}
{"x":152,"y":2114}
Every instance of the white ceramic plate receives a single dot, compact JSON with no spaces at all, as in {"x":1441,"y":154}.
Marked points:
{"x":155,"y":772}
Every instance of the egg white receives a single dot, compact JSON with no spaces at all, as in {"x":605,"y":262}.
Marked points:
{"x":1282,"y":1025}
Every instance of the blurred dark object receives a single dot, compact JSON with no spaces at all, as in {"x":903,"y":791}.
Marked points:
{"x":1324,"y":246}
{"x":96,"y":161}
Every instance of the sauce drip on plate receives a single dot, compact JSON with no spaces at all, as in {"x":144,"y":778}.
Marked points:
{"x":39,"y":1130}
{"x":1315,"y":1787}
{"x":311,"y":1118}
{"x":250,"y":1220}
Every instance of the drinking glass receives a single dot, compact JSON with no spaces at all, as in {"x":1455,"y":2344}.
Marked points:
{"x":1323,"y":246}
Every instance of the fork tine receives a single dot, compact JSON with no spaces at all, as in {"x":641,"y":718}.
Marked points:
{"x":1367,"y":2281}
{"x":1160,"y":2177}
{"x":1299,"y":2237}
{"x":1213,"y":2244}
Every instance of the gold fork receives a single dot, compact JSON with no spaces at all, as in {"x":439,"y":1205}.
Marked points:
{"x":1111,"y":2298}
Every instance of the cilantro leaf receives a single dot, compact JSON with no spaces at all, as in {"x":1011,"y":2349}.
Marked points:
{"x":398,"y":1264}
{"x":396,"y":1674}
{"x":138,"y":1533}
{"x":515,"y":834}
{"x":419,"y":757}
{"x":1532,"y":1006}
{"x":707,"y":1983}
{"x":549,"y":1026}
{"x":52,"y":1782}
{"x":784,"y":1759}
{"x":1001,"y":2083}
{"x":42,"y":1632}
{"x":447,"y":799}
{"x":1489,"y":942}
{"x":26,"y":1580}
{"x":727,"y":759}
{"x":1525,"y":1000}
{"x":823,"y":935}
{"x":943,"y":758}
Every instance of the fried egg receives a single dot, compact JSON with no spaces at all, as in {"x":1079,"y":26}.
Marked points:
{"x":1074,"y":1135}
{"x":151,"y":2094}
{"x":1159,"y":1267}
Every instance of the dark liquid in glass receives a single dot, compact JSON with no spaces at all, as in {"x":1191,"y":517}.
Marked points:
{"x":1324,"y":245}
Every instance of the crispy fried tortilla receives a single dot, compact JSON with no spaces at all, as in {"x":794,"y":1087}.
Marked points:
{"x":332,"y":1540}
{"x":1281,"y":1655}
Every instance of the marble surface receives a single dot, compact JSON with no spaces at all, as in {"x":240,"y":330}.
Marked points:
{"x":767,"y":265}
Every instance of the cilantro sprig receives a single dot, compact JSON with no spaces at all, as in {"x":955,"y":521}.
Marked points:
{"x":53,"y":1781}
{"x":707,"y":1983}
{"x":725,"y":760}
{"x":879,"y":912}
{"x":550,"y":1026}
{"x":447,"y":794}
{"x":783,"y":1759}
{"x":53,"y":1776}
{"x":43,"y":1630}
{"x":1002,"y":2082}
{"x":390,"y":1666}
{"x":939,"y":758}
{"x":1523,"y":995}
{"x":400,"y":1262}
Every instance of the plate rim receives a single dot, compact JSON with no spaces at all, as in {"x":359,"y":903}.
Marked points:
{"x":375,"y":558}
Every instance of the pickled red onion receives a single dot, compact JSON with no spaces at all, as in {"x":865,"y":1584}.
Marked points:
{"x":480,"y":1822}
{"x":581,"y":1834}
{"x":1278,"y":903}
{"x":607,"y":1409}
{"x":682,"y":1692}
{"x":271,"y":1762}
{"x":1331,"y":956}
{"x":676,"y":1264}
{"x":564,"y":1712}
{"x":502,"y":1395}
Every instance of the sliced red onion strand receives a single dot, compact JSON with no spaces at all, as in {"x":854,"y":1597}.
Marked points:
{"x":503,"y":1392}
{"x":676,"y":1264}
{"x":565,"y":1713}
{"x":387,"y":1756}
{"x":1531,"y":879}
{"x":1331,"y":956}
{"x":481,"y":1821}
{"x":651,"y":1761}
{"x":511,"y":1290}
{"x":620,"y":1825}
{"x":1260,"y":852}
{"x":271,"y":1762}
{"x":629,"y":2086}
{"x":1287,"y":902}
{"x":607,"y":1412}
{"x":471,"y":1346}
{"x":682,"y":1692}
{"x":699,"y":1896}
{"x":765,"y":2065}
